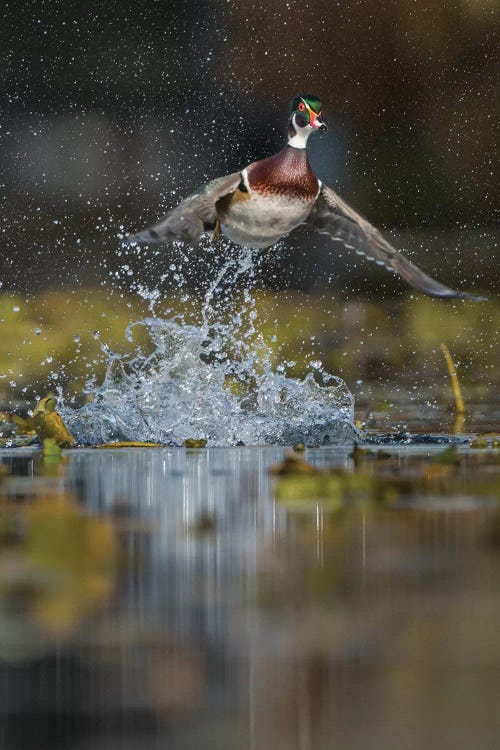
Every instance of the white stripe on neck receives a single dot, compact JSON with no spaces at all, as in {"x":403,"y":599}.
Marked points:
{"x":299,"y":140}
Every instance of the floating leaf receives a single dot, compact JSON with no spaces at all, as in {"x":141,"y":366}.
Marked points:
{"x":49,"y":424}
{"x":129,"y":444}
{"x":194,"y":443}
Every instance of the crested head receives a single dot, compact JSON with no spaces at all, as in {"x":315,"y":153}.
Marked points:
{"x":305,"y":118}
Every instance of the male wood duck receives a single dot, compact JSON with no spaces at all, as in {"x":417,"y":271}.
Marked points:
{"x":271,"y":197}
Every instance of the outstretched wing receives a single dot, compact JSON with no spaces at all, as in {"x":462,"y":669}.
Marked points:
{"x":331,"y":215}
{"x":192,"y":216}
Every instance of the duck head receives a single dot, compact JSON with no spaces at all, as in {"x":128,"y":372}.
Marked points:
{"x":305,"y":118}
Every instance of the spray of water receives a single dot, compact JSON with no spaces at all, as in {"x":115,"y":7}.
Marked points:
{"x":215,"y":381}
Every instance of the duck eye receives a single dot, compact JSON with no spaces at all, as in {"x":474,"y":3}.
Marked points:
{"x":301,"y":107}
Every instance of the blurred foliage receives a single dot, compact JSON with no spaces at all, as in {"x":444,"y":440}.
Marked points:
{"x":335,"y":489}
{"x":64,"y":338}
{"x":55,"y":337}
{"x":56,"y":562}
{"x":379,"y":478}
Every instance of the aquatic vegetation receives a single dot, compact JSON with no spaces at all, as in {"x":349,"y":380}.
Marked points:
{"x":379,"y":478}
{"x":57,"y":563}
{"x":129,"y":444}
{"x":452,"y":370}
{"x":49,"y":424}
{"x":335,"y":489}
{"x":193,"y":443}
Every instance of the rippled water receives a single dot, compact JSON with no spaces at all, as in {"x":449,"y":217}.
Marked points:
{"x":203,"y":612}
{"x":217,"y":380}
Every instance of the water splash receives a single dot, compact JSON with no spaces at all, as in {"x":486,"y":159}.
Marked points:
{"x":214,"y":381}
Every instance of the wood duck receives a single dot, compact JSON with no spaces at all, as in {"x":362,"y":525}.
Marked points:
{"x":271,"y":197}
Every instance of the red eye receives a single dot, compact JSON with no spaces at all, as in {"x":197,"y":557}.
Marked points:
{"x":302,"y":107}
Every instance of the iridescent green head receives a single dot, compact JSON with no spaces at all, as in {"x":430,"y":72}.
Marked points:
{"x":305,"y":112}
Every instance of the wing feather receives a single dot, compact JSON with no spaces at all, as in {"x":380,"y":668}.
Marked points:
{"x":192,"y":216}
{"x":333,"y":216}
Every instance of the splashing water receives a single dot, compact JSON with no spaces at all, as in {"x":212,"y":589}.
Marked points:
{"x":213,"y":381}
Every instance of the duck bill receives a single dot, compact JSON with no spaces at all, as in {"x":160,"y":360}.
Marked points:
{"x":317,"y":123}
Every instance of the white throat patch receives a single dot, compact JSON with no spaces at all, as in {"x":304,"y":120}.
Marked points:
{"x":299,"y":140}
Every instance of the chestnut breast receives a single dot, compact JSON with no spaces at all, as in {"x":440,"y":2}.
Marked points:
{"x":286,"y":173}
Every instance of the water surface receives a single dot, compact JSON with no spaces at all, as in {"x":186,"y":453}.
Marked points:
{"x":203,"y":612}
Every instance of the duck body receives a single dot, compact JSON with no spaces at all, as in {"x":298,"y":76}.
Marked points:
{"x":270,"y":198}
{"x":274,"y":196}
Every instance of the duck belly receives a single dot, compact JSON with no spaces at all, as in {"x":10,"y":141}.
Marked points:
{"x":260,"y":221}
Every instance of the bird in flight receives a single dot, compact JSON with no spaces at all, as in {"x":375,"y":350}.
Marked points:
{"x":271,"y":197}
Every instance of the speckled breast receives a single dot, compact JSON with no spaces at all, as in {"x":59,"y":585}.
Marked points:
{"x":282,"y":190}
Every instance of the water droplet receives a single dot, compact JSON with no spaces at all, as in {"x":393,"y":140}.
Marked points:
{"x":182,"y":388}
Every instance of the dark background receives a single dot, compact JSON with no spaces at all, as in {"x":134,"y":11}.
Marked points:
{"x":111,"y":112}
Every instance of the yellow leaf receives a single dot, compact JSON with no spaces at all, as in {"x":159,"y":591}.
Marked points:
{"x":129,"y":444}
{"x":193,"y":443}
{"x":49,"y":424}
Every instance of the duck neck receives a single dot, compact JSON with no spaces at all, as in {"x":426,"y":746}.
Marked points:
{"x":297,"y":137}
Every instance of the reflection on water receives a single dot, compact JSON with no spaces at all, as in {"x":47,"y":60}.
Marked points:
{"x":200,"y":612}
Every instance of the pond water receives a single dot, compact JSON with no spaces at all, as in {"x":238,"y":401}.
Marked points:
{"x":191,"y":599}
